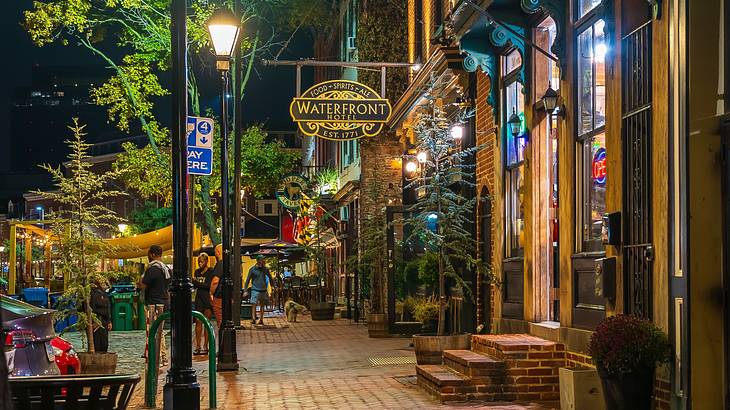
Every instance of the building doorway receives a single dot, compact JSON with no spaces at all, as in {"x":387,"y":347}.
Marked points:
{"x":637,"y":162}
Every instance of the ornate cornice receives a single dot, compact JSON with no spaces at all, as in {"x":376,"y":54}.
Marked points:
{"x":530,"y":6}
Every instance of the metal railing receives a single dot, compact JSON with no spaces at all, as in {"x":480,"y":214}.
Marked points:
{"x":150,"y":391}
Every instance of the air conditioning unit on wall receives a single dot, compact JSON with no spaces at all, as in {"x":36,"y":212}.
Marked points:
{"x":267,"y":208}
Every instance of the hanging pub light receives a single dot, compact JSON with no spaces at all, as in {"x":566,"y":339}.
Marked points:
{"x":514,"y":123}
{"x":457,"y":132}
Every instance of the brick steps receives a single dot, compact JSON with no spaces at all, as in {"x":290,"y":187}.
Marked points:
{"x":498,"y":367}
{"x":449,"y":386}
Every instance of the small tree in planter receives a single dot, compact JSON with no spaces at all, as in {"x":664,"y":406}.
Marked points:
{"x":626,"y":350}
{"x":442,"y":216}
{"x":370,"y":261}
{"x":78,"y":222}
{"x":314,"y":218}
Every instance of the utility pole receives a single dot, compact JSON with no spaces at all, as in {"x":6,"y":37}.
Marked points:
{"x":181,"y":387}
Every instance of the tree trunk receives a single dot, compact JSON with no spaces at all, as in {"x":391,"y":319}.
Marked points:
{"x":90,"y":326}
{"x":442,"y":296}
{"x":441,"y":330}
{"x":207,"y":213}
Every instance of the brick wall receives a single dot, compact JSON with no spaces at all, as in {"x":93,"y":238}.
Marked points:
{"x":485,"y":136}
{"x":573,"y":359}
{"x":377,"y":155}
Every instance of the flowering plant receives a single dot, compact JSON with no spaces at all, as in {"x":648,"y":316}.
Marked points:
{"x":624,"y":344}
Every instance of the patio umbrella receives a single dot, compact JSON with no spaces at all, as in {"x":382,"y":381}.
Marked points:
{"x":279,"y":244}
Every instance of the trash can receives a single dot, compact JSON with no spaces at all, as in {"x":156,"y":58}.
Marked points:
{"x":122,"y":310}
{"x":36,"y":296}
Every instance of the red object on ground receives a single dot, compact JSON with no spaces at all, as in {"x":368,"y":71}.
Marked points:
{"x":67,"y":361}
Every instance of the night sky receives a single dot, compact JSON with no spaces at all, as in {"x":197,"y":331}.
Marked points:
{"x":267,"y":96}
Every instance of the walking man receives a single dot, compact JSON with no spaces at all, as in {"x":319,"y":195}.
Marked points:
{"x":258,"y":276}
{"x":154,"y":282}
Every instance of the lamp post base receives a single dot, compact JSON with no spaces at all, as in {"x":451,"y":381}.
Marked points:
{"x":227,"y":356}
{"x":181,"y":396}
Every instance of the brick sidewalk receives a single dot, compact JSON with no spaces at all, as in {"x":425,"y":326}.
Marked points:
{"x":317,"y":365}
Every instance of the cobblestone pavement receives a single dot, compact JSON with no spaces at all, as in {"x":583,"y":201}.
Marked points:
{"x":305,"y":365}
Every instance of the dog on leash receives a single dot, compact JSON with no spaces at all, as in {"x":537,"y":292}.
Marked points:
{"x":292,"y":309}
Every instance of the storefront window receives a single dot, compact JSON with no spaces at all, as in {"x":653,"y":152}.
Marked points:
{"x":512,"y":61}
{"x":584,"y":6}
{"x":595,"y":188}
{"x":591,"y":78}
{"x":591,"y":118}
{"x":515,"y":183}
{"x":514,"y":102}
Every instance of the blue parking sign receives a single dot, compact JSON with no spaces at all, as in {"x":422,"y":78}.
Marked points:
{"x":200,"y":161}
{"x":200,"y":132}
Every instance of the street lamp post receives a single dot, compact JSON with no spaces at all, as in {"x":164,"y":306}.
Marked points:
{"x":181,"y":387}
{"x":224,"y":28}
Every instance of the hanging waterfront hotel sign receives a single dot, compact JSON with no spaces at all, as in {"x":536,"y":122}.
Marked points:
{"x":340,"y":110}
{"x":291,"y":190}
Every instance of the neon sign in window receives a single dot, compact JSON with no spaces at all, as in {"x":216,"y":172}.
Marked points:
{"x":599,"y":167}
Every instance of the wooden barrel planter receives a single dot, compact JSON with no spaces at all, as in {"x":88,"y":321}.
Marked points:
{"x":98,"y":362}
{"x":377,"y":325}
{"x":429,"y":348}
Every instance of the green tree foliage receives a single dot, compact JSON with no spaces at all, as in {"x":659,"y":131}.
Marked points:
{"x":79,"y":221}
{"x":36,"y":253}
{"x":406,"y":278}
{"x":428,"y":270}
{"x":442,"y":217}
{"x":150,"y":218}
{"x":381,"y":36}
{"x":142,"y":29}
{"x":264,"y":163}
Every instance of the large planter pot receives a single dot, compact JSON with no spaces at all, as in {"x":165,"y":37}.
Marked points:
{"x":632,"y":391}
{"x":98,"y":362}
{"x":322,"y":310}
{"x":377,"y":325}
{"x":429,"y":348}
{"x":580,"y":388}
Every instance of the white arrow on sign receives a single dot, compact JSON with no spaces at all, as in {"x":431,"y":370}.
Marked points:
{"x":204,"y":133}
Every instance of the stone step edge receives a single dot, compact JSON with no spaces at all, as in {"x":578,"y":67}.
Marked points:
{"x":484,"y":361}
{"x":428,"y":371}
{"x":425,"y":371}
{"x":478,"y":341}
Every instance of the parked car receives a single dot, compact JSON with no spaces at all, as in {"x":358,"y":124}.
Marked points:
{"x":66,"y":359}
{"x":27,"y":333}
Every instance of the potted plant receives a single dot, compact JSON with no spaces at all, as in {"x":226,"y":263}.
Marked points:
{"x":626,"y":350}
{"x":441,"y":218}
{"x":76,"y":230}
{"x":426,"y":311}
{"x":369,"y":263}
{"x":409,"y":306}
